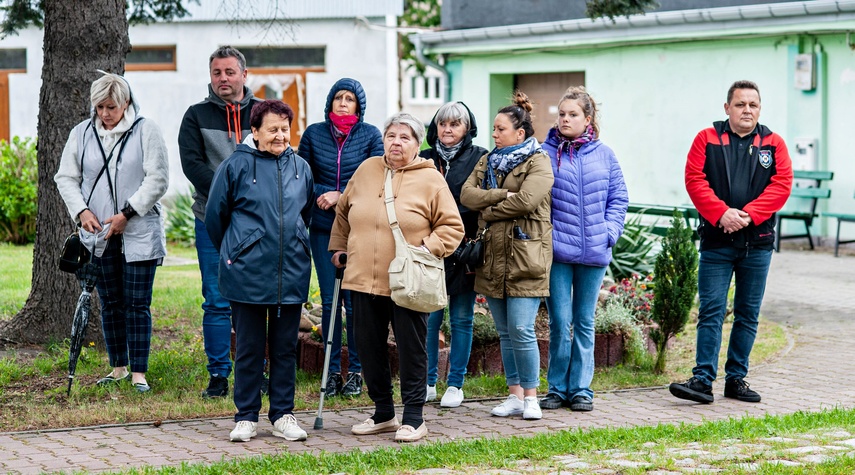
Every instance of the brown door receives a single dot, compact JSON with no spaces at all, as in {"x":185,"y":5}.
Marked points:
{"x":4,"y":107}
{"x":294,"y":96}
{"x":544,"y":90}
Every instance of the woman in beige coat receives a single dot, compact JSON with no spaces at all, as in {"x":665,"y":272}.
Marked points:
{"x":428,"y":217}
{"x":510,"y":187}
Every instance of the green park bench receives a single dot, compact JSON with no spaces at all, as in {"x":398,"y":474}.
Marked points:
{"x":841,"y":218}
{"x":803,"y":208}
{"x":660,"y":226}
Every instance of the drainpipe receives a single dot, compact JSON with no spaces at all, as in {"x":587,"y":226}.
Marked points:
{"x":417,"y":47}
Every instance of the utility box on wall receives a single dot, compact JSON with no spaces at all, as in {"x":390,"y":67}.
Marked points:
{"x":805,"y":153}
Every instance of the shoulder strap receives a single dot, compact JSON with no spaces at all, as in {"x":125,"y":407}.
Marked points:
{"x":400,"y":242}
{"x":122,"y":141}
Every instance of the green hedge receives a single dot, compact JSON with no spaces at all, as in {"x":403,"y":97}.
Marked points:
{"x":19,"y":177}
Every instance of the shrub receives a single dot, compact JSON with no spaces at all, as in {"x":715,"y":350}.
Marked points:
{"x":631,"y":253}
{"x":676,"y":285}
{"x":18,"y":190}
{"x":483,"y":328}
{"x":180,"y":220}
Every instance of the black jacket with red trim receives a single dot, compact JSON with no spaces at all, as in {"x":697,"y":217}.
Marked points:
{"x":708,"y":185}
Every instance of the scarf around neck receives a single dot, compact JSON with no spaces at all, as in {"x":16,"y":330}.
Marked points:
{"x":343,"y":123}
{"x":573,"y":145}
{"x":505,"y":159}
{"x":448,"y":153}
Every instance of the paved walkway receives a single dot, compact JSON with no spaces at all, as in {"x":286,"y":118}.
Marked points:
{"x":812,"y":293}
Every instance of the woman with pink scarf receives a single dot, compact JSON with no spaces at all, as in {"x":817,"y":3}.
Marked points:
{"x":334,"y":150}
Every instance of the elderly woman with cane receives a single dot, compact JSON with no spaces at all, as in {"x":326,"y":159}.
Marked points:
{"x":113,"y":171}
{"x":428,"y":217}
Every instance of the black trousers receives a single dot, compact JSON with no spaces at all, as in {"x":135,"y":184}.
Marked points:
{"x":372,"y":316}
{"x":255,"y":325}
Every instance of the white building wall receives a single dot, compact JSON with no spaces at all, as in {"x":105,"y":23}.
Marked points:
{"x":351,"y":51}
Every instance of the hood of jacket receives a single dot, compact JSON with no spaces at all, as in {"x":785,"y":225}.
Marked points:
{"x":215,"y":99}
{"x":346,"y":84}
{"x":433,"y":133}
{"x":133,"y":100}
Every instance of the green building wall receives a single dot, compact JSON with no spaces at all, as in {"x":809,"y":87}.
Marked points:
{"x":654,"y":99}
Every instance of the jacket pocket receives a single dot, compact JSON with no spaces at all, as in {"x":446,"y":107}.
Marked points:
{"x":528,"y":257}
{"x":303,"y":235}
{"x":486,"y":268}
{"x":235,"y":251}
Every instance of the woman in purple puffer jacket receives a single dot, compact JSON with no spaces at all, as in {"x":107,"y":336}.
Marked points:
{"x":589,"y":201}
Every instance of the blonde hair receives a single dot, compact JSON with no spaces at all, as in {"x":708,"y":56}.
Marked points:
{"x":586,"y":103}
{"x":110,"y":86}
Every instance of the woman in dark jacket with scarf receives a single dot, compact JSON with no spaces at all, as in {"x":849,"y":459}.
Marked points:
{"x":334,"y":150}
{"x":589,"y":201}
{"x":261,"y":198}
{"x":450,"y":138}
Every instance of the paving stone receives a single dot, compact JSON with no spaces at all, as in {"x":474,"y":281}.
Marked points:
{"x":816,"y":458}
{"x":629,"y":463}
{"x":808,"y":449}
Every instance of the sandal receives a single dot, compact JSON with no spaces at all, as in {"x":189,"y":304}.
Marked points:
{"x":110,"y":379}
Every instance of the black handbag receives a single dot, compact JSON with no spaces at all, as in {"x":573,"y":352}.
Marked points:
{"x":472,"y":252}
{"x":74,"y":254}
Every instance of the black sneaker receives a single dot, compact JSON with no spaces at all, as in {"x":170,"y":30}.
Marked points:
{"x":265,"y":385}
{"x":582,"y":404}
{"x":693,"y":390}
{"x":218,"y":386}
{"x":738,"y":389}
{"x":551,"y":401}
{"x":334,"y":384}
{"x":353,"y":386}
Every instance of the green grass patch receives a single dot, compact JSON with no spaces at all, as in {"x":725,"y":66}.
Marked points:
{"x":595,"y":447}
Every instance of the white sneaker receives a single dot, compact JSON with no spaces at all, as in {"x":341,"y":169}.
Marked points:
{"x":243,"y":431}
{"x":453,"y":397}
{"x":431,"y":393}
{"x":287,"y":428}
{"x":511,"y":407}
{"x":531,"y":409}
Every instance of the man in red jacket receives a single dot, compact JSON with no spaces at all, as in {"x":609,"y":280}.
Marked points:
{"x":738,"y":175}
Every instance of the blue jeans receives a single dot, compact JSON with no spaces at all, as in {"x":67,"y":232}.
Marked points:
{"x":216,"y":311}
{"x":514,"y":318}
{"x":325,"y":271}
{"x":461,"y":310}
{"x":573,"y":290}
{"x":715,"y":270}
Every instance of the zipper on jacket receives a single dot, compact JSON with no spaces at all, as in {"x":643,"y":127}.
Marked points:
{"x":338,"y":160}
{"x":279,"y":274}
{"x":582,"y":210}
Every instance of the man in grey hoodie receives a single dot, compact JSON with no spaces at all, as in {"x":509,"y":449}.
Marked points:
{"x":210,"y":132}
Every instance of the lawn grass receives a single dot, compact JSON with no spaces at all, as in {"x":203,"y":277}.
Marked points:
{"x":32,"y":383}
{"x":594,"y":446}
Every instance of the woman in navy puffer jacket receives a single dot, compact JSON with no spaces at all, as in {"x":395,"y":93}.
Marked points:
{"x":589,"y":201}
{"x":334,"y":150}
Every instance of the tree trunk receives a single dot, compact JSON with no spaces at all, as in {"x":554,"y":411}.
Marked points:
{"x":80,"y":36}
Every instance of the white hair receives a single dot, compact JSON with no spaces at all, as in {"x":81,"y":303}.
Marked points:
{"x":402,"y":118}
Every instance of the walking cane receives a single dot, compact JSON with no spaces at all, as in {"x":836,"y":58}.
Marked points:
{"x":339,"y":274}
